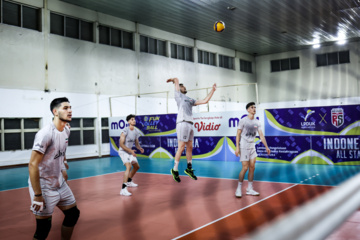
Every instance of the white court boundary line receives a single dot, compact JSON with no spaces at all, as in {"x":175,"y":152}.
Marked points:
{"x":234,"y":212}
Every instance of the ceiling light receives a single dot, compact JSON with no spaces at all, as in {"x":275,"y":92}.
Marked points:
{"x":341,"y":42}
{"x":316,"y":46}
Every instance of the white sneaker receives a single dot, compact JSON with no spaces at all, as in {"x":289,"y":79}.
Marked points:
{"x":252,"y":192}
{"x":238,"y":193}
{"x":131,"y":184}
{"x":125,"y":192}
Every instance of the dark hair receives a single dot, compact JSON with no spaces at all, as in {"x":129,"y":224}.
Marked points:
{"x":181,"y":84}
{"x":249,"y":105}
{"x":130,"y":117}
{"x":57,"y":102}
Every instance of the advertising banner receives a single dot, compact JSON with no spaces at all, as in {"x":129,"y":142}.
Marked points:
{"x":339,"y":150}
{"x":330,"y":120}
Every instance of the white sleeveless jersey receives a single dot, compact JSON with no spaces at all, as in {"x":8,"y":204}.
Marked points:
{"x":52,"y":143}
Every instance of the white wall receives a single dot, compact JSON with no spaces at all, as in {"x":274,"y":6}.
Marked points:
{"x":309,"y":82}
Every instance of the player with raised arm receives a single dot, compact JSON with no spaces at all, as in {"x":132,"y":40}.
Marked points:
{"x":184,"y":126}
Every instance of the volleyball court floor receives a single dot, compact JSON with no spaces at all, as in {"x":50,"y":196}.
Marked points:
{"x":160,"y":208}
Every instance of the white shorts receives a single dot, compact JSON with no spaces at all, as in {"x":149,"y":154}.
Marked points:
{"x":127,"y":158}
{"x":246,"y":154}
{"x":185,"y":131}
{"x":62,"y":196}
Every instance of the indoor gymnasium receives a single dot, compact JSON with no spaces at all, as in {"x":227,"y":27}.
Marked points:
{"x":180,"y":119}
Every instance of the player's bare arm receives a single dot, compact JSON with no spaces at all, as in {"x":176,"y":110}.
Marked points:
{"x":263,"y":140}
{"x":137,"y":145}
{"x":208,"y":97}
{"x":35,"y":159}
{"x":176,"y":82}
{"x":238,"y":137}
{"x":123,"y":146}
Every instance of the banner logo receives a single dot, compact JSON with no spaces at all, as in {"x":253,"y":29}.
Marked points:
{"x":337,"y":117}
{"x":206,"y":127}
{"x":307,"y":124}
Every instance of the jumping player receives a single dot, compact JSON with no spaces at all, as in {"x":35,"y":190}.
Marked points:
{"x":47,"y":185}
{"x":246,"y":133}
{"x":184,"y":126}
{"x":127,"y":139}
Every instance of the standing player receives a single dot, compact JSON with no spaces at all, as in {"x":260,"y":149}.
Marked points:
{"x":127,"y":139}
{"x":246,"y":133}
{"x":47,"y":185}
{"x":184,"y":128}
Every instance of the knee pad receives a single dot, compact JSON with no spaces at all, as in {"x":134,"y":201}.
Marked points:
{"x":43,"y":227}
{"x":71,"y":217}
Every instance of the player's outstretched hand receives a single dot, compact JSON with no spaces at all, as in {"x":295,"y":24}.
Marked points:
{"x":141,"y":150}
{"x":214,"y":87}
{"x":170,"y":80}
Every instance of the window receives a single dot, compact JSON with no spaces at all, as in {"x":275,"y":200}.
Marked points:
{"x":20,"y":15}
{"x":71,"y":27}
{"x":18,"y":133}
{"x":105,"y":130}
{"x":285,"y":64}
{"x":115,"y":37}
{"x":245,"y":66}
{"x":226,"y":62}
{"x":182,"y":52}
{"x":332,"y":58}
{"x":82,"y":131}
{"x":206,"y":58}
{"x":152,"y":45}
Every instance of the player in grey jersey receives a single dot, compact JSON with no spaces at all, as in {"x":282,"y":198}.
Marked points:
{"x":248,"y":128}
{"x":184,"y":126}
{"x":128,"y":137}
{"x":47,"y":186}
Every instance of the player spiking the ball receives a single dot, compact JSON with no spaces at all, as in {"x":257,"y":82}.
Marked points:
{"x":184,"y":126}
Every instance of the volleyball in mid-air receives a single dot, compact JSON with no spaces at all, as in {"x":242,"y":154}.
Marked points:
{"x":219,"y":26}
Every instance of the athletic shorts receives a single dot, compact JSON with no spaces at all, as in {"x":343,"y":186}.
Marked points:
{"x":126,"y":157}
{"x":62,"y":196}
{"x":185,"y":131}
{"x":247,"y":153}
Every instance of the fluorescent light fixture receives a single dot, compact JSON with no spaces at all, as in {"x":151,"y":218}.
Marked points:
{"x":316,"y":46}
{"x":341,"y":42}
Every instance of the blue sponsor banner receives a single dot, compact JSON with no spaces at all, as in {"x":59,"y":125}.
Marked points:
{"x":149,"y":144}
{"x":153,"y":125}
{"x":283,"y":149}
{"x":329,"y":120}
{"x":206,"y":148}
{"x":336,"y":149}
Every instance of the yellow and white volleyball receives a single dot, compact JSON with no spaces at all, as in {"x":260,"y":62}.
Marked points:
{"x":219,"y":26}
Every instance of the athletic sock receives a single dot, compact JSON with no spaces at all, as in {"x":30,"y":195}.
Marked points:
{"x":239,"y":185}
{"x":124,"y":186}
{"x":176,"y":166}
{"x":129,"y":179}
{"x":250,"y":185}
{"x":189,"y":165}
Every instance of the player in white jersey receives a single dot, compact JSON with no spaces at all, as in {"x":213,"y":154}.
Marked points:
{"x":128,"y":137}
{"x":248,"y":127}
{"x":47,"y":186}
{"x":184,"y":126}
